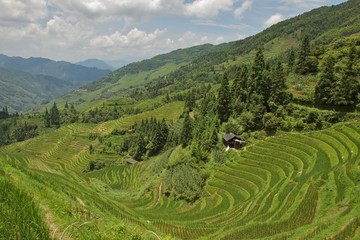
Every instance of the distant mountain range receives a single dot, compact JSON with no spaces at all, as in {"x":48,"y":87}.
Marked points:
{"x":96,"y":63}
{"x":26,"y":82}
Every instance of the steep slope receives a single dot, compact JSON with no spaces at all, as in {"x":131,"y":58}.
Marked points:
{"x":21,"y":90}
{"x":294,"y":186}
{"x":323,"y":26}
{"x":133,"y":75}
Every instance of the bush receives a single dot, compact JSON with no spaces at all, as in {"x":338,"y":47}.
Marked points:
{"x":186,"y":182}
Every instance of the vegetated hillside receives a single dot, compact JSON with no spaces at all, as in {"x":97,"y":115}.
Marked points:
{"x":148,"y":159}
{"x":72,"y":73}
{"x":294,"y":186}
{"x":323,"y":26}
{"x":23,"y":91}
{"x":132,"y":75}
{"x":96,"y":63}
{"x":33,"y":81}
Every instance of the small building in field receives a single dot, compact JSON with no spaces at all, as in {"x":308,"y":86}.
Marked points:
{"x":233,"y":141}
{"x":131,"y":161}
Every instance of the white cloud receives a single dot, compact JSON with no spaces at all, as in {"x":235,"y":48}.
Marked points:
{"x":134,"y":38}
{"x":22,"y":11}
{"x":131,"y":10}
{"x":208,"y":8}
{"x":274,"y":19}
{"x":243,"y":8}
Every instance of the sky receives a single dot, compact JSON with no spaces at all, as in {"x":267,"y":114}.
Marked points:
{"x":131,"y":30}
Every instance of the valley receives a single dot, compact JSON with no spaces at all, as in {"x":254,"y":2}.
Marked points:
{"x":141,"y":153}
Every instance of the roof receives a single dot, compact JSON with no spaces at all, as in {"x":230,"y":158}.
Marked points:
{"x":131,"y":161}
{"x":230,"y":136}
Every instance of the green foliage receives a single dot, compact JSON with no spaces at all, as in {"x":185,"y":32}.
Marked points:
{"x":224,"y":100}
{"x":186,"y":132}
{"x":20,"y":217}
{"x":54,"y":116}
{"x":23,"y":132}
{"x":185,"y":181}
{"x":324,"y":88}
{"x":148,"y":138}
{"x":102,"y":114}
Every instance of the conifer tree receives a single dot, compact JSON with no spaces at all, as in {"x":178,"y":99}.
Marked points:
{"x":55,"y":116}
{"x":259,"y":86}
{"x":348,"y":86}
{"x":186,"y":132}
{"x":278,"y":94}
{"x":326,"y":84}
{"x":291,"y":61}
{"x":304,"y":52}
{"x":224,"y":100}
{"x":47,"y":121}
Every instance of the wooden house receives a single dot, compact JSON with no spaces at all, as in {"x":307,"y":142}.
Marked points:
{"x":233,"y":141}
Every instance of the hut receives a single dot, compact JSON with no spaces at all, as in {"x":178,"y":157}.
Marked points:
{"x":131,"y":161}
{"x":233,"y":141}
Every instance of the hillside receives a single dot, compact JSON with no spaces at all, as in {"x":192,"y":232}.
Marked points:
{"x":38,"y":80}
{"x":323,"y":25}
{"x":22,"y":91}
{"x":284,"y":187}
{"x":144,"y":153}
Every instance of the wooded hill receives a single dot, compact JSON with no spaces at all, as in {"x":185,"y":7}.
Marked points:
{"x":139,"y":154}
{"x":26,"y":83}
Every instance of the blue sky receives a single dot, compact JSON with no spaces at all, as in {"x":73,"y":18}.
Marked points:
{"x":73,"y":30}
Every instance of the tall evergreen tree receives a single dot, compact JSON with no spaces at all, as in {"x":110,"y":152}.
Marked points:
{"x":55,"y":116}
{"x":348,"y":86}
{"x":325,"y":87}
{"x":278,"y":94}
{"x":259,"y":86}
{"x":302,"y":66}
{"x":186,"y":131}
{"x":224,"y":100}
{"x":47,"y":120}
{"x":291,"y":60}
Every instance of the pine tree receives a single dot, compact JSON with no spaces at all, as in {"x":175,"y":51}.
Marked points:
{"x":302,"y":66}
{"x":224,"y":100}
{"x":47,"y":120}
{"x":259,"y":85}
{"x":186,"y":132}
{"x":278,"y":94}
{"x":291,"y":60}
{"x":326,"y":84}
{"x":348,"y":86}
{"x":55,"y":116}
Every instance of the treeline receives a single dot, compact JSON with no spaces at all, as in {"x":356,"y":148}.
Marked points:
{"x":339,"y":82}
{"x":146,"y":139}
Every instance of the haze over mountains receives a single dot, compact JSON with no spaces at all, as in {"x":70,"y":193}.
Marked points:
{"x":26,"y":82}
{"x":96,"y":63}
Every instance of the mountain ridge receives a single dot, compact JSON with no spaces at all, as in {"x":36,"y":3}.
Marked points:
{"x":59,"y":77}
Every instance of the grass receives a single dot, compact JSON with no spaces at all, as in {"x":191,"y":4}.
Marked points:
{"x":288,"y":186}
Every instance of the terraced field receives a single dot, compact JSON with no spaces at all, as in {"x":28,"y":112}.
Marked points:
{"x":293,"y":186}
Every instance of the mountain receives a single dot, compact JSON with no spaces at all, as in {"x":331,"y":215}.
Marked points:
{"x":75,"y":74}
{"x":21,"y":90}
{"x":142,"y":154}
{"x":26,"y":83}
{"x":95,"y":63}
{"x":323,"y":26}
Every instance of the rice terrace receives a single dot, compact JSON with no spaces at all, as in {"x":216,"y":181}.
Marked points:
{"x":257,"y":138}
